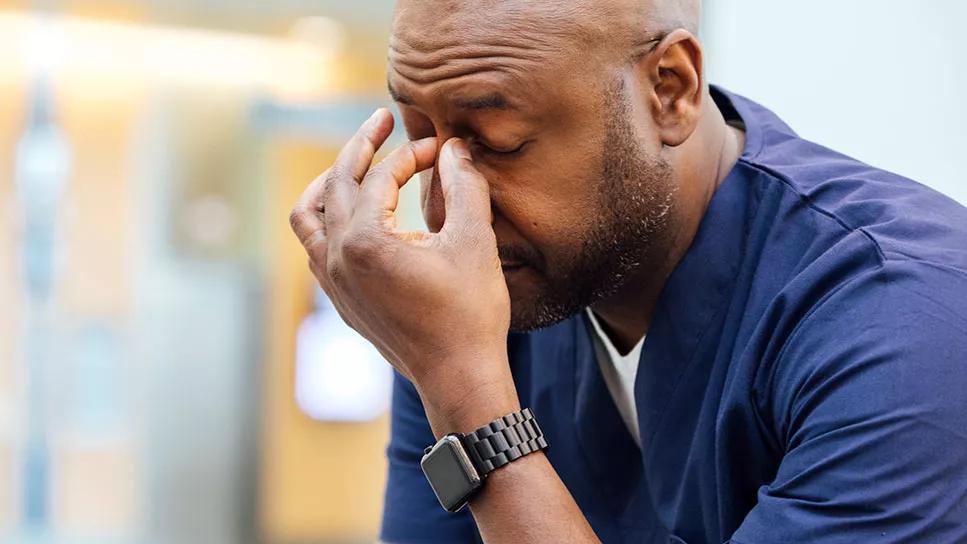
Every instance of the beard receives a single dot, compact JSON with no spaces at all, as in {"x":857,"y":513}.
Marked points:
{"x":629,"y":226}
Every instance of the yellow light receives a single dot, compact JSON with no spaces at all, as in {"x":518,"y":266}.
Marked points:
{"x":97,"y":55}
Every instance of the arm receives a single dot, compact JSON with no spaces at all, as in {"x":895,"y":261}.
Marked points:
{"x":436,"y":306}
{"x":524,"y":501}
{"x":870,"y":400}
{"x":411,"y":512}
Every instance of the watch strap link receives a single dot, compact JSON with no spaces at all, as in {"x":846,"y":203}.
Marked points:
{"x":503,"y":440}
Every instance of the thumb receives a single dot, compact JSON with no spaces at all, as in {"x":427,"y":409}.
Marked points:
{"x":466,"y":194}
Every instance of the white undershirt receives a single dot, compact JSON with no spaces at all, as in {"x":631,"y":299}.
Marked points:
{"x":619,"y":373}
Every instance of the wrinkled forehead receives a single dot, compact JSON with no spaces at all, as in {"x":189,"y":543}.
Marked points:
{"x":426,"y":58}
{"x":436,"y":45}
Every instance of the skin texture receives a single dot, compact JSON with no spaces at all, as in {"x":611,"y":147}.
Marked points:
{"x":569,"y":150}
{"x":562,"y":205}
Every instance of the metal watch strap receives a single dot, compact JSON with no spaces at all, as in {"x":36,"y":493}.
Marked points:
{"x":504,"y":440}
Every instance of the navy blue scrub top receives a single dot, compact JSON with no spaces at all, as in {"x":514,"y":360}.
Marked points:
{"x":804,"y":378}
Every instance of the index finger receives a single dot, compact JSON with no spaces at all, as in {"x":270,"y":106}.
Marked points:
{"x":379,"y":194}
{"x":351,"y":166}
{"x":466,"y":193}
{"x":306,"y":218}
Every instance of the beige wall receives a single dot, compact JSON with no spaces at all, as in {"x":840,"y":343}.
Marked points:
{"x":319,"y":481}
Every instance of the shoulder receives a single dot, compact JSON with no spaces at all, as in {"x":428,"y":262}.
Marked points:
{"x":837,"y":247}
{"x":900,"y":218}
{"x":891,"y":340}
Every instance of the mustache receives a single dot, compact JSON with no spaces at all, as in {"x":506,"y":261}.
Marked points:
{"x":524,"y":255}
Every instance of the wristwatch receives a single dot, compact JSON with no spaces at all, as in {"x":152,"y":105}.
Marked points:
{"x":457,"y":465}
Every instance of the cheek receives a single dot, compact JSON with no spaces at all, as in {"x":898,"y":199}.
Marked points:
{"x":551,"y":209}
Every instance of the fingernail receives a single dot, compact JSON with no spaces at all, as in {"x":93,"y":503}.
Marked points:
{"x":459,"y":149}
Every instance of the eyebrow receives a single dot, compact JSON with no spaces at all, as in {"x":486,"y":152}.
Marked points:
{"x":397,"y":97}
{"x":489,"y":101}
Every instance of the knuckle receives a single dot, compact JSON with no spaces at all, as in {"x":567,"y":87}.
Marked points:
{"x":409,"y":151}
{"x":360,"y":247}
{"x":328,"y":188}
{"x":335,"y":172}
{"x":340,"y":172}
{"x":297,"y":217}
{"x":321,"y":178}
{"x":408,"y":157}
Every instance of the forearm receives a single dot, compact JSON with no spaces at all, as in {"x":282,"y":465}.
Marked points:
{"x":523,"y":501}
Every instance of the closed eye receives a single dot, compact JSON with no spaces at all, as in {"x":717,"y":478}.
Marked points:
{"x":503,"y":153}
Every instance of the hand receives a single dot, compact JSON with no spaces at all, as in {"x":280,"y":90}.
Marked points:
{"x":435,"y":304}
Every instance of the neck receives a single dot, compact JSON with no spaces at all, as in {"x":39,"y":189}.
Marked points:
{"x":701,"y":164}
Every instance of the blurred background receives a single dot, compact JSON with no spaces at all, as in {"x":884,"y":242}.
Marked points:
{"x":168,"y":371}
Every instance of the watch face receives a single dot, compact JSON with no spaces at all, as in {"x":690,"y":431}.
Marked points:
{"x":450,"y":473}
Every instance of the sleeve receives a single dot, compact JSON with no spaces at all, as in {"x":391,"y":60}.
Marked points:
{"x":869,"y":397}
{"x":411,"y":512}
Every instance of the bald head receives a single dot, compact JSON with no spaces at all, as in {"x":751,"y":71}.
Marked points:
{"x":566,"y":25}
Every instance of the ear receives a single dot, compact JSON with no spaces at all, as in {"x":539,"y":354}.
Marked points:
{"x":671,"y":75}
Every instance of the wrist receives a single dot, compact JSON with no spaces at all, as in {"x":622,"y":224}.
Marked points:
{"x":466,"y":394}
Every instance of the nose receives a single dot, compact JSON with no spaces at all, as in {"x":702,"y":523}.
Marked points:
{"x":434,"y":211}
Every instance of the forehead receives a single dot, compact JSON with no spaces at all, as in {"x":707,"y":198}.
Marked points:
{"x":461,"y":47}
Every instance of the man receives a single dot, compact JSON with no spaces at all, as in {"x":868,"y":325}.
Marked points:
{"x":725,"y":332}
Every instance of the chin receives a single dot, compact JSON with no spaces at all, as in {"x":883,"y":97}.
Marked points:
{"x":533,"y":310}
{"x":524,"y":297}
